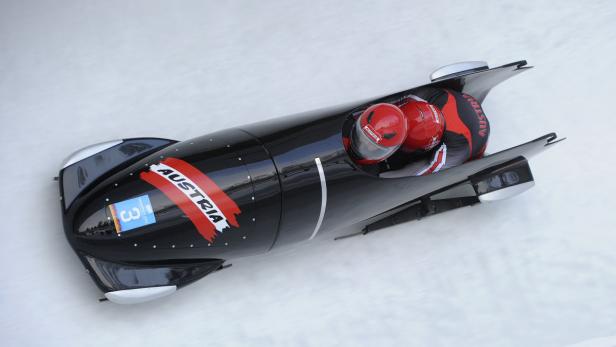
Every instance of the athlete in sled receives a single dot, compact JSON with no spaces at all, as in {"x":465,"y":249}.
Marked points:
{"x":147,"y":216}
{"x":419,"y":136}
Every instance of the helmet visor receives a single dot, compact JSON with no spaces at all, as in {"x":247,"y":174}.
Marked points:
{"x":365,"y":148}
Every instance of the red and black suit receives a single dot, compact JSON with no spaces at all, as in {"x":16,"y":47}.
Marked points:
{"x":466,"y":135}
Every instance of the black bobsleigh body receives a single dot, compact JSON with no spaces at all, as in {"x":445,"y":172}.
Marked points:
{"x":147,"y":216}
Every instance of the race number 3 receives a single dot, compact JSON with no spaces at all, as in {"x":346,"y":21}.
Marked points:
{"x":132,"y":213}
{"x":126,"y":217}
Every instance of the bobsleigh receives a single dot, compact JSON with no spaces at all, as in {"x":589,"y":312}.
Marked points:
{"x":147,"y":216}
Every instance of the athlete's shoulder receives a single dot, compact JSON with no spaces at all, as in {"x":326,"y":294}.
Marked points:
{"x":439,"y":96}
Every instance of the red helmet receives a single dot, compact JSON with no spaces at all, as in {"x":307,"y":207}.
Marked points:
{"x":425,"y":126}
{"x":378,"y":132}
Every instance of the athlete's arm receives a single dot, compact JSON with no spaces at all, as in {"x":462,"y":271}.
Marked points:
{"x":430,"y":163}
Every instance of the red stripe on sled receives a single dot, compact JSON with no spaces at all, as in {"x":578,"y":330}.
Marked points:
{"x":200,"y":221}
{"x":227,"y":206}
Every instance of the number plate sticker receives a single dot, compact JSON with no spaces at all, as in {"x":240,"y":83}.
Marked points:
{"x":132,"y":213}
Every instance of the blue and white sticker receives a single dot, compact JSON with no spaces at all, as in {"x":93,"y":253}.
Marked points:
{"x":132,"y":213}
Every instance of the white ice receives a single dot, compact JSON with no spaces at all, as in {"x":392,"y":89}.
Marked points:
{"x":536,"y":270}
